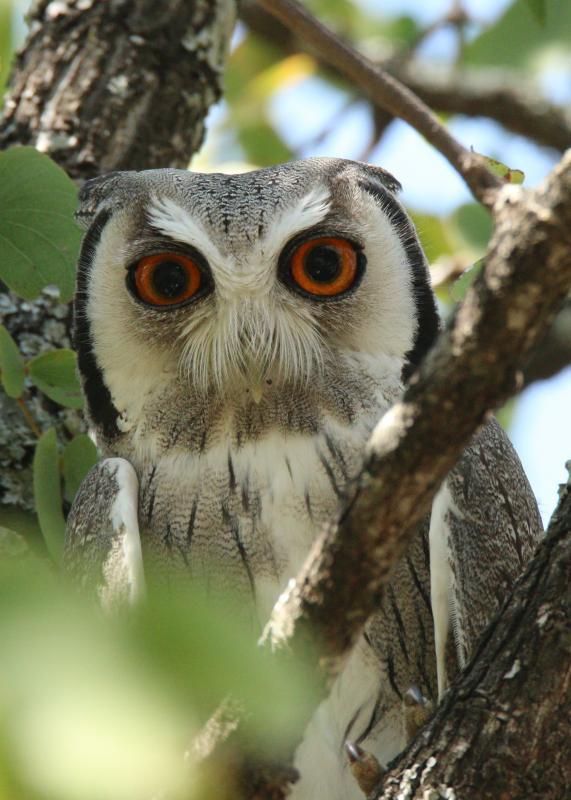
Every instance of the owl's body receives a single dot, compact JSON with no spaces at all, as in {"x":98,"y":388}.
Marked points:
{"x":242,"y":391}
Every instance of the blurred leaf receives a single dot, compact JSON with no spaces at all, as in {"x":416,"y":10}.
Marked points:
{"x":12,"y":544}
{"x":517,"y":40}
{"x":251,"y":58}
{"x":6,"y":46}
{"x":39,"y":240}
{"x":99,"y":708}
{"x":80,"y":715}
{"x":47,"y":493}
{"x":503,"y":171}
{"x":212,"y":652}
{"x":539,"y":10}
{"x":12,"y":372}
{"x":505,"y":414}
{"x":402,"y":31}
{"x":79,"y":456}
{"x":474,"y":224}
{"x":262,"y":143}
{"x":284,"y":73}
{"x":26,"y":525}
{"x":460,"y":287}
{"x":54,"y":372}
{"x":435,"y":235}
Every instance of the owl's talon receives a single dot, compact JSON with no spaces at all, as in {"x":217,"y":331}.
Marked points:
{"x":365,"y":768}
{"x":413,"y":696}
{"x":416,"y":710}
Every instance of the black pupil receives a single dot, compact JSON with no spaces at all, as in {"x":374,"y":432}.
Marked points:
{"x":169,"y":279}
{"x":323,"y":264}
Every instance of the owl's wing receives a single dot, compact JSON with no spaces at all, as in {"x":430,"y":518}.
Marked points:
{"x":102,"y":550}
{"x":484,"y":528}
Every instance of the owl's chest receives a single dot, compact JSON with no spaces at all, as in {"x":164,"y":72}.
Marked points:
{"x":243,"y":518}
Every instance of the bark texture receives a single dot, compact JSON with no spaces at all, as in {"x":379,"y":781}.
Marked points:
{"x":502,"y":731}
{"x":100,"y":86}
{"x":124,"y":84}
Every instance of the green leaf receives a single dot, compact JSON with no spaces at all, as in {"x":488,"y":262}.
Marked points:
{"x":6,"y":46}
{"x":12,"y":372}
{"x":503,"y":171}
{"x":435,"y":235}
{"x":23,"y":522}
{"x":47,"y":493}
{"x":539,"y":10}
{"x":460,"y":287}
{"x":12,"y":544}
{"x":78,"y":458}
{"x":39,"y":240}
{"x":55,"y":374}
{"x":262,"y":145}
{"x":517,"y":40}
{"x":474,"y":224}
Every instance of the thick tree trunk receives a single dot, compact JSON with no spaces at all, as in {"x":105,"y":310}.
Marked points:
{"x":124,"y":84}
{"x":502,"y":732}
{"x":100,"y":86}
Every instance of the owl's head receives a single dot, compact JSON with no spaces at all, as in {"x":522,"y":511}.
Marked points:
{"x":235,"y":282}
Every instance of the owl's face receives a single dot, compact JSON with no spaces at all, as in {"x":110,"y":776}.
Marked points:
{"x":233,"y":284}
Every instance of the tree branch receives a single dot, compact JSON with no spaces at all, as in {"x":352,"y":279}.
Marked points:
{"x":387,"y":92}
{"x":487,"y":93}
{"x":502,"y":729}
{"x":503,"y":97}
{"x":474,"y":366}
{"x":125,"y":85}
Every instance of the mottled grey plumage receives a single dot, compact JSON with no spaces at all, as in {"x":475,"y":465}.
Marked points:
{"x":103,"y":554}
{"x":245,"y":411}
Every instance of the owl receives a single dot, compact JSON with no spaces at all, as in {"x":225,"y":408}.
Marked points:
{"x":238,"y":338}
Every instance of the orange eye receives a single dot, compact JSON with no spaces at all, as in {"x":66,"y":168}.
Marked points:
{"x":326,"y":266}
{"x":166,"y":279}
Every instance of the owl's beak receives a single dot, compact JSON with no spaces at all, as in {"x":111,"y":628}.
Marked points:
{"x":256,"y":392}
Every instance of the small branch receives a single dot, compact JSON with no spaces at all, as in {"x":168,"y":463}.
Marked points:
{"x":502,"y":96}
{"x":492,"y":94}
{"x":28,"y":417}
{"x":387,"y":92}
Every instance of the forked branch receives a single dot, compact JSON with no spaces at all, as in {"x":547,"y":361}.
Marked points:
{"x":388,"y":93}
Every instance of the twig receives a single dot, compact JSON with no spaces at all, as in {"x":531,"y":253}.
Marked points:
{"x":501,"y":96}
{"x":28,"y":417}
{"x":388,"y":93}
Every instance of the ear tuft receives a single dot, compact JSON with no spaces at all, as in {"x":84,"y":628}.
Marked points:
{"x":381,"y":176}
{"x":95,"y":195}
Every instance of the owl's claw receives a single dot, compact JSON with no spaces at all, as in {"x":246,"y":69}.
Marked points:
{"x":413,"y":696}
{"x":365,"y":768}
{"x":416,"y":710}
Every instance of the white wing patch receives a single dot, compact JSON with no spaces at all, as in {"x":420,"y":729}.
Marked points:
{"x":125,"y":525}
{"x":440,"y":581}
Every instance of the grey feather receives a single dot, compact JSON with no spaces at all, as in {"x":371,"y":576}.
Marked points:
{"x":102,"y":549}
